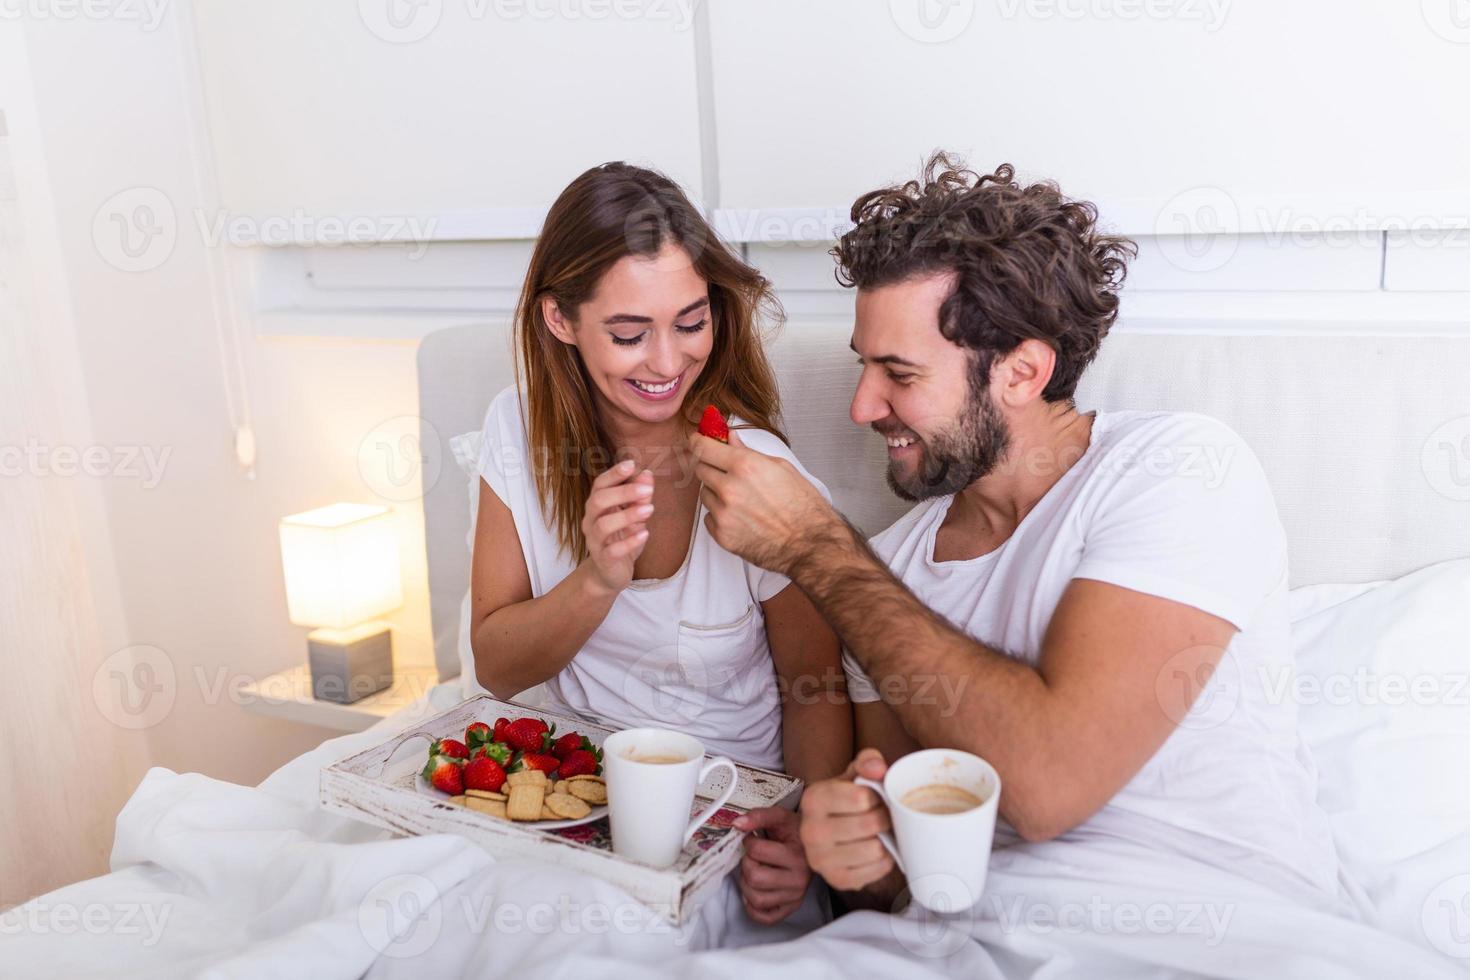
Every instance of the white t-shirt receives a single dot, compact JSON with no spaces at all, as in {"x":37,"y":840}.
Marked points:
{"x":686,"y":652}
{"x":1177,"y":506}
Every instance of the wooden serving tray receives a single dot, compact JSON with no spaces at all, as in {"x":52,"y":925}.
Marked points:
{"x":377,"y":786}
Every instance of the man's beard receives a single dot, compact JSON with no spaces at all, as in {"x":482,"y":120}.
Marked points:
{"x":953,"y":459}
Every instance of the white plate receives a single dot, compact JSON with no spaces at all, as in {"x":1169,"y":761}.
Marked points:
{"x":426,"y":788}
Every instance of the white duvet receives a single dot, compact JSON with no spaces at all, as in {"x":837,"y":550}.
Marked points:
{"x":218,"y":880}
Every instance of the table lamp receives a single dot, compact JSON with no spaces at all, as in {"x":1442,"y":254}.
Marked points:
{"x":341,"y":569}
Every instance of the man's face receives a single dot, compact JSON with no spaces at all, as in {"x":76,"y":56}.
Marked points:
{"x":923,"y":393}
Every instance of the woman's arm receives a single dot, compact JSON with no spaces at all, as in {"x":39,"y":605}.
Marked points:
{"x":816,"y":718}
{"x":878,"y":728}
{"x":520,"y":641}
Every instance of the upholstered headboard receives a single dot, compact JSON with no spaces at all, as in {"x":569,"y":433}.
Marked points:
{"x":1366,"y":439}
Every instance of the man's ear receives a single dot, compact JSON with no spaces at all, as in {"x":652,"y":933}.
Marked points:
{"x":1022,"y":375}
{"x":559,"y":325}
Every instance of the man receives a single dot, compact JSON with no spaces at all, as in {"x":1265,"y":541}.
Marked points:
{"x":1077,"y":580}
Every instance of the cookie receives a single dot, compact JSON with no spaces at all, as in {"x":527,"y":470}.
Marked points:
{"x":525,"y":802}
{"x":457,"y":800}
{"x":585,"y":777}
{"x":493,"y":808}
{"x":485,"y":794}
{"x":566,"y":807}
{"x":526,"y":777}
{"x":590,"y":792}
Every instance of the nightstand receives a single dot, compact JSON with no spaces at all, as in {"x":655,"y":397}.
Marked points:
{"x":288,"y":695}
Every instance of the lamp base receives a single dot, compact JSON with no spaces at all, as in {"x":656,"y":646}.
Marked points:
{"x":348,"y":665}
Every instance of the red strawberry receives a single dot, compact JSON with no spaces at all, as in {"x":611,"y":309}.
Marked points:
{"x":537,"y":760}
{"x":483,"y":772}
{"x":477,"y":735}
{"x":713,"y":424}
{"x":445,"y":774}
{"x":498,"y":751}
{"x":450,"y":747}
{"x":501,"y":725}
{"x":580,"y":762}
{"x":569,"y":742}
{"x":524,"y":734}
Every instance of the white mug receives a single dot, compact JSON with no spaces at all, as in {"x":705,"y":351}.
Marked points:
{"x":648,"y":802}
{"x":944,"y":856}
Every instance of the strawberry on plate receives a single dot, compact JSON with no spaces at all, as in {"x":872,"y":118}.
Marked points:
{"x":579,"y":762}
{"x":526,"y":734}
{"x":501,"y":725}
{"x":483,"y":772}
{"x":498,"y":751}
{"x":453,"y":748}
{"x":569,"y":743}
{"x":713,"y":424}
{"x":445,"y":774}
{"x":477,"y":735}
{"x":536,"y":760}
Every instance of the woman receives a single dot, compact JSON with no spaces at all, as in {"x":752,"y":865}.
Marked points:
{"x":593,"y":573}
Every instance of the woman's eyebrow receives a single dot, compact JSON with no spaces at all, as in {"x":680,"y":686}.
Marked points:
{"x":635,"y":318}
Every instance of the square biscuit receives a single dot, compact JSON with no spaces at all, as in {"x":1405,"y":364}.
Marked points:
{"x":493,"y":808}
{"x":526,"y":777}
{"x":525,"y":802}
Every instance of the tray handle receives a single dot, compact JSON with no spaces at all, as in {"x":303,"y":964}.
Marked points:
{"x":398,"y":743}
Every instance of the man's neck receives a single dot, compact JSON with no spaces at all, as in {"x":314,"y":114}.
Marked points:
{"x":1042,"y":449}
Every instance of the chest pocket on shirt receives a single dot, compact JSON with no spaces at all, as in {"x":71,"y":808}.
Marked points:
{"x":727,"y":662}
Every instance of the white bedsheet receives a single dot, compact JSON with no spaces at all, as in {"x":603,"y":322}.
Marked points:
{"x":218,"y":880}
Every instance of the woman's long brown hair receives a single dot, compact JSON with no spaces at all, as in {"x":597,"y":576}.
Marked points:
{"x":609,"y":212}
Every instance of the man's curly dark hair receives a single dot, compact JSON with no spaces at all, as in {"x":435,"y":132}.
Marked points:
{"x":1028,"y":262}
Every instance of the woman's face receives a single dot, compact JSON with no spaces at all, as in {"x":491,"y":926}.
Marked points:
{"x":644,"y":335}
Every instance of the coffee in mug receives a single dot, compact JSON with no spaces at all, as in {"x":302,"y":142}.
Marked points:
{"x":940,"y":798}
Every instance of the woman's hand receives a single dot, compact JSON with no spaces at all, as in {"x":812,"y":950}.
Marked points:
{"x":615,"y":524}
{"x":773,"y":874}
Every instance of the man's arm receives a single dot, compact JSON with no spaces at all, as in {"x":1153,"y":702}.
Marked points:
{"x":1117,"y":669}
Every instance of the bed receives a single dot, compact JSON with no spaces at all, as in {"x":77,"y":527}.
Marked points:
{"x":1366,"y":440}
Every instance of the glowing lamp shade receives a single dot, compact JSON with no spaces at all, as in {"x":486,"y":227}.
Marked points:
{"x":341,"y":565}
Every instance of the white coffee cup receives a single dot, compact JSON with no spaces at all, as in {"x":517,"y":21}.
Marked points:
{"x":944,"y":856}
{"x":651,"y":778}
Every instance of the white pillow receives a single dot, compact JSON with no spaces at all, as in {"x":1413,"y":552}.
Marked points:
{"x":1383,"y":685}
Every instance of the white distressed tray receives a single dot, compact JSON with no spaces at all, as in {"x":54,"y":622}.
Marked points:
{"x":377,"y":786}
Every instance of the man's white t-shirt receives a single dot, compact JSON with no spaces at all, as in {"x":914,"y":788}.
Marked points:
{"x":686,"y":652}
{"x":1177,"y":506}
